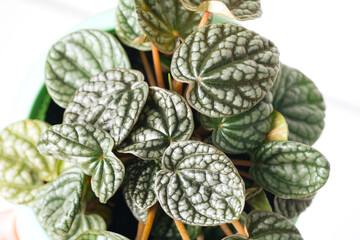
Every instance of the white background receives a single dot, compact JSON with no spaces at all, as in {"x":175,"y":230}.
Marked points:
{"x":321,"y":38}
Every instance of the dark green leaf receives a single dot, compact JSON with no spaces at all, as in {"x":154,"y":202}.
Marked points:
{"x":100,"y":235}
{"x":229,"y":68}
{"x":291,"y":208}
{"x":289,"y":169}
{"x":166,"y":22}
{"x":76,"y":58}
{"x":199,"y":185}
{"x":166,"y":118}
{"x":139,"y":214}
{"x":241,"y":133}
{"x":279,"y":130}
{"x":112,"y":101}
{"x":297,"y":98}
{"x":259,"y":202}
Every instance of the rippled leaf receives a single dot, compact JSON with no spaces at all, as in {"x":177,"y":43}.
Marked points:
{"x":127,"y":27}
{"x":100,"y":235}
{"x":292,"y":208}
{"x":229,"y":68}
{"x":260,"y":202}
{"x":91,"y":149}
{"x":166,"y":22}
{"x":76,"y":58}
{"x":279,"y":130}
{"x":141,"y":181}
{"x":235,"y":9}
{"x":199,"y":185}
{"x":241,"y":133}
{"x":166,"y":118}
{"x":61,"y":202}
{"x":23,"y":169}
{"x":289,"y":169}
{"x":297,"y":98}
{"x":139,"y":214}
{"x":111,"y":100}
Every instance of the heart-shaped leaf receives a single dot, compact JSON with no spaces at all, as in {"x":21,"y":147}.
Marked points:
{"x":100,"y":235}
{"x":241,"y":133}
{"x":289,"y":169}
{"x":23,"y":168}
{"x":61,"y":202}
{"x":111,"y":100}
{"x":292,"y":208}
{"x":235,"y":9}
{"x":260,"y":202}
{"x":228,"y":67}
{"x":166,"y":22}
{"x":77,"y":57}
{"x":165,"y":118}
{"x":127,"y":27}
{"x":269,"y":225}
{"x":279,"y":130}
{"x":297,"y":98}
{"x":91,"y":149}
{"x":141,"y":181}
{"x":139,"y":214}
{"x":199,"y":185}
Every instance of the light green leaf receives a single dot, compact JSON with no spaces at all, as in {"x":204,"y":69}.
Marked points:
{"x":166,"y":22}
{"x":235,"y":237}
{"x":91,"y":149}
{"x":139,"y":214}
{"x":166,"y":118}
{"x":292,"y":208}
{"x":100,"y":235}
{"x":199,"y":185}
{"x":252,"y":191}
{"x":241,"y":133}
{"x":235,"y":9}
{"x":229,"y":68}
{"x":141,"y":181}
{"x":76,"y":58}
{"x":268,"y":225}
{"x":23,"y":169}
{"x":297,"y":98}
{"x":279,"y":130}
{"x":111,"y":100}
{"x":289,"y":169}
{"x":61,"y":202}
{"x":260,"y":202}
{"x":127,"y":27}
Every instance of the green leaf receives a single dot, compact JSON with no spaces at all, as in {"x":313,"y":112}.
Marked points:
{"x":235,"y":237}
{"x":252,"y":191}
{"x":23,"y":168}
{"x":235,"y":9}
{"x":166,"y":118}
{"x":241,"y":133}
{"x":260,"y":202}
{"x":141,"y":181}
{"x":61,"y":202}
{"x":199,"y":185}
{"x":268,"y":225}
{"x":139,"y":214}
{"x":112,"y":101}
{"x":77,"y":57}
{"x":229,"y":68}
{"x":91,"y":149}
{"x":166,"y":22}
{"x":100,"y":235}
{"x":279,"y":130}
{"x":127,"y":27}
{"x":292,"y":208}
{"x":297,"y":98}
{"x":289,"y":169}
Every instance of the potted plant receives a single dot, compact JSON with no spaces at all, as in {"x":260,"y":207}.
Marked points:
{"x":234,"y":147}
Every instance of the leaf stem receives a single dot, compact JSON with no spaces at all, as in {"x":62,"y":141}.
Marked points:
{"x":178,"y":87}
{"x":245,"y":174}
{"x":182,"y":230}
{"x":239,"y":228}
{"x":149,"y":222}
{"x":84,"y":190}
{"x":225,"y":228}
{"x":140,"y":230}
{"x":148,"y":71}
{"x":157,"y":66}
{"x":244,"y":163}
{"x":204,"y":19}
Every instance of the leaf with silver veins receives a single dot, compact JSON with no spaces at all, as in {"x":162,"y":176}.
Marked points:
{"x":100,"y":235}
{"x":229,"y":69}
{"x":77,"y":57}
{"x":292,"y":208}
{"x":199,"y":185}
{"x":139,"y":214}
{"x":111,"y":100}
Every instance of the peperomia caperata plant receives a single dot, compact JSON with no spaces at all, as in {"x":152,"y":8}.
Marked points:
{"x":228,"y":157}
